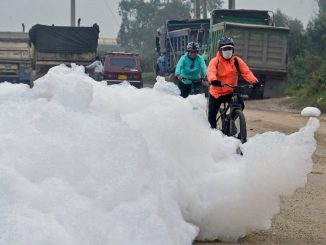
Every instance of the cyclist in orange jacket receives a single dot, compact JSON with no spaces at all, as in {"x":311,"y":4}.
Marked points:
{"x":224,"y":69}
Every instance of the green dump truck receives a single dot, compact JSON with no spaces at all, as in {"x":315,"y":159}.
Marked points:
{"x":263,"y":46}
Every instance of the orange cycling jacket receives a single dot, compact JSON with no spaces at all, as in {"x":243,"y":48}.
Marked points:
{"x":225,"y":71}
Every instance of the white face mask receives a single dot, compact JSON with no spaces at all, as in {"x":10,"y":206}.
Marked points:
{"x":227,"y":54}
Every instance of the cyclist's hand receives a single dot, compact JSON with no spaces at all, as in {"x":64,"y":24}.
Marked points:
{"x":179,"y":77}
{"x":256,"y":85}
{"x":217,"y":83}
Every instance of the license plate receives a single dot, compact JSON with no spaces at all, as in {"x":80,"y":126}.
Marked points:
{"x":122,"y":77}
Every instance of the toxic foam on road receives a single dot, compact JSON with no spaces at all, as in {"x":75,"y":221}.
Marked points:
{"x":86,"y":163}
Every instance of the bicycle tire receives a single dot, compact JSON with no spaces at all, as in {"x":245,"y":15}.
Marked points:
{"x":220,"y":121}
{"x":241,"y":134}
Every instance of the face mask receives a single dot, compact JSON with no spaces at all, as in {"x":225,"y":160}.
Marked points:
{"x":227,"y":54}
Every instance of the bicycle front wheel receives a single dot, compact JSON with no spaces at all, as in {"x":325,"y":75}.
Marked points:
{"x":220,"y":122}
{"x":238,"y":127}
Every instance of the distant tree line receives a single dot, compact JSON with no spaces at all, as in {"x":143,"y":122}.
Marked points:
{"x":141,"y":19}
{"x":307,"y":58}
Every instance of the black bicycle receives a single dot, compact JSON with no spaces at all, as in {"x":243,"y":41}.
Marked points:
{"x":231,"y":120}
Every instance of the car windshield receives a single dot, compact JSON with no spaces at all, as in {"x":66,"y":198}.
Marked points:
{"x":123,"y":62}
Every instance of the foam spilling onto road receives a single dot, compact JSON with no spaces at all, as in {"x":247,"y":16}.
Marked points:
{"x":85,"y":163}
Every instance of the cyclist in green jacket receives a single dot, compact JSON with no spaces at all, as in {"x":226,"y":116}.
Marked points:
{"x":190,"y":67}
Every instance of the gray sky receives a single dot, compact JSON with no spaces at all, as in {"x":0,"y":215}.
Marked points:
{"x":105,"y":12}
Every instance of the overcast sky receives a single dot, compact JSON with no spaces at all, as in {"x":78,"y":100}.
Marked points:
{"x":105,"y":12}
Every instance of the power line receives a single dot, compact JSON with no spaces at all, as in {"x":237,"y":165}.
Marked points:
{"x":108,"y":6}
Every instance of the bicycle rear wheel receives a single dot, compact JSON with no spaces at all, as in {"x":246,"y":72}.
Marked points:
{"x":238,"y":127}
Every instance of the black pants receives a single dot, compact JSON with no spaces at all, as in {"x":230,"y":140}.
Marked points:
{"x":197,"y":86}
{"x":215,"y":104}
{"x":186,"y":88}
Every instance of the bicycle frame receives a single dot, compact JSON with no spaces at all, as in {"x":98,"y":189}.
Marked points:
{"x":194,"y":89}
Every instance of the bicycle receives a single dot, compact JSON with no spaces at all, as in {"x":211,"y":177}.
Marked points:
{"x":196,"y":85}
{"x":231,"y":120}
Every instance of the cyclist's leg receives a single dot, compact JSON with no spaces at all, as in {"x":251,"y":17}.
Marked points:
{"x":226,"y":98}
{"x":184,"y":89}
{"x":225,"y":125}
{"x":213,"y":107}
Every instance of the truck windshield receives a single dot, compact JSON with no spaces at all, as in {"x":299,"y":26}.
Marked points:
{"x":123,"y":62}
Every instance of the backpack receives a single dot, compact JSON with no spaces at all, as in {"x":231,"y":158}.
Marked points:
{"x":236,"y":64}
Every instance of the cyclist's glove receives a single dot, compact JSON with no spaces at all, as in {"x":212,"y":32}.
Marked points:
{"x":256,"y":85}
{"x":216,"y":83}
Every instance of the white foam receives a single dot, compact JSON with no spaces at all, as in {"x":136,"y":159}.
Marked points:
{"x":85,"y":163}
{"x":310,"y":112}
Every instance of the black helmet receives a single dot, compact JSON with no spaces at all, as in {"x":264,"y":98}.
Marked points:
{"x":192,"y":46}
{"x":225,"y":41}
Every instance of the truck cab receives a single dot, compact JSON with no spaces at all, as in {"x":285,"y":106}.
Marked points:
{"x":121,"y":66}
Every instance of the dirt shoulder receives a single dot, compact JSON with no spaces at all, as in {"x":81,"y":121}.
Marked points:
{"x":302,"y":219}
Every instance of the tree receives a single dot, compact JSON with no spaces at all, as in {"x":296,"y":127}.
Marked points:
{"x":297,"y":37}
{"x":322,"y":5}
{"x":140,"y":21}
{"x":214,"y":4}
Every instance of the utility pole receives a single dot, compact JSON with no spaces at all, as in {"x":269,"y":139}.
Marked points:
{"x":231,"y":4}
{"x":204,"y":9}
{"x":197,"y":9}
{"x":73,"y":13}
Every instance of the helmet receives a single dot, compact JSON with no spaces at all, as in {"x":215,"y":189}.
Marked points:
{"x":225,"y":41}
{"x":192,"y":46}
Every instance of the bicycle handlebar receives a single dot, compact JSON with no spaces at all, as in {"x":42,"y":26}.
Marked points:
{"x":241,"y":86}
{"x":237,"y":86}
{"x":192,"y":79}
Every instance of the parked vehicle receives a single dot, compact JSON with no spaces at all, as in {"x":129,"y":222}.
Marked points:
{"x":263,"y":46}
{"x":54,"y":45}
{"x":120,"y":66}
{"x":15,"y":58}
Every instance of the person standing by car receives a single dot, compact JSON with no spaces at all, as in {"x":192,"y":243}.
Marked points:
{"x":98,"y":69}
{"x":224,"y":69}
{"x":190,"y":67}
{"x":162,"y":63}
